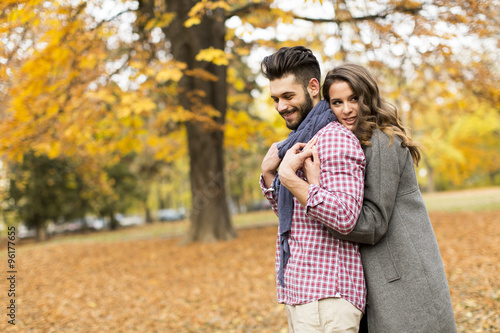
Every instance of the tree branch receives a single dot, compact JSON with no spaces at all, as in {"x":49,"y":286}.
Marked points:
{"x":247,"y":9}
{"x":381,"y":15}
{"x":112,"y":18}
{"x":17,"y":46}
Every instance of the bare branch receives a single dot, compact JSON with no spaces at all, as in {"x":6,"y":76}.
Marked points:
{"x":112,"y":18}
{"x":5,"y":11}
{"x":247,"y":9}
{"x":17,"y":46}
{"x":381,"y":15}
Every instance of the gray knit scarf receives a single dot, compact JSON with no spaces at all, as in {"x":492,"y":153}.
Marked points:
{"x":320,"y":116}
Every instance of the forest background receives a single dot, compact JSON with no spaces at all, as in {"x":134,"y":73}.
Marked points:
{"x":129,"y":107}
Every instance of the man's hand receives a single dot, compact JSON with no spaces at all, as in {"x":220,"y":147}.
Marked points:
{"x":270,"y":165}
{"x":293,"y":161}
{"x":312,"y":165}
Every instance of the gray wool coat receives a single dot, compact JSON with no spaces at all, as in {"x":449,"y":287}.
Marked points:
{"x":406,"y":282}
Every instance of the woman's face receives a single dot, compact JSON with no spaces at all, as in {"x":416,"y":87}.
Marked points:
{"x":344,"y":103}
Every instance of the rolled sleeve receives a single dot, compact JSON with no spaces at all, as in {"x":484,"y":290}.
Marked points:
{"x":270,"y":195}
{"x":313,"y":198}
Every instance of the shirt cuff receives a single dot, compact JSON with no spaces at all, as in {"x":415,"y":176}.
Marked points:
{"x":266,"y":191}
{"x":314,"y":196}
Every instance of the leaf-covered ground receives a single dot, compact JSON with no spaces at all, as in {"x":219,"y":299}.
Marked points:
{"x":158,"y":285}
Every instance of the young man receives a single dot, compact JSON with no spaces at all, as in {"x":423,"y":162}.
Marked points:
{"x":319,"y":278}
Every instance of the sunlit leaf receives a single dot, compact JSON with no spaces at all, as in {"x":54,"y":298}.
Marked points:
{"x":218,"y":57}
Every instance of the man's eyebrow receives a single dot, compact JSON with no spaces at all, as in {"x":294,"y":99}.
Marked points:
{"x":283,"y":93}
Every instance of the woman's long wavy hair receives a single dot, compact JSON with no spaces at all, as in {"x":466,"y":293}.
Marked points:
{"x":373,"y":112}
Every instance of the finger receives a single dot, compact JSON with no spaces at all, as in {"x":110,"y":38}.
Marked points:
{"x":312,"y":142}
{"x":306,"y":153}
{"x":308,"y":162}
{"x":298,"y":146}
{"x":315,"y":155}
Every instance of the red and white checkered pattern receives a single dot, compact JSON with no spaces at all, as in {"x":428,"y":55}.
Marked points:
{"x":321,"y":266}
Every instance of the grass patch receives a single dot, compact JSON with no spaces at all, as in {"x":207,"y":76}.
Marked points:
{"x":475,"y":200}
{"x":159,"y":230}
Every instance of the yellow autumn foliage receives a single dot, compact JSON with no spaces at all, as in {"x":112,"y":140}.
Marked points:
{"x":201,"y":74}
{"x":173,"y":70}
{"x":160,"y":21}
{"x":218,"y":57}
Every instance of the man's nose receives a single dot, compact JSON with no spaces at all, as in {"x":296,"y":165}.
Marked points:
{"x":281,"y":105}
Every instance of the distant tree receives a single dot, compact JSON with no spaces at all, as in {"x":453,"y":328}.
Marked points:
{"x":126,"y":191}
{"x":42,"y":190}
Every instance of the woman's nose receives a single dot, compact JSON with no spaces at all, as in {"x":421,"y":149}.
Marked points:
{"x":347,"y":108}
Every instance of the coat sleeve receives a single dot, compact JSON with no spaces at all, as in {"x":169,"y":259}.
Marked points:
{"x":381,"y":188}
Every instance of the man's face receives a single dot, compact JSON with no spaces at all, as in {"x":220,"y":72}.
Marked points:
{"x":291,"y":100}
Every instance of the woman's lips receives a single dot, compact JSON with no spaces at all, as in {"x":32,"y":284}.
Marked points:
{"x":350,"y":120}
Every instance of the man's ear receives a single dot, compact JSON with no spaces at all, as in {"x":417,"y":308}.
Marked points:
{"x":314,"y":88}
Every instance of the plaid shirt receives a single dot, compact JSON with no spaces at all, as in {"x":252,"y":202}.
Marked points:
{"x":321,"y":266}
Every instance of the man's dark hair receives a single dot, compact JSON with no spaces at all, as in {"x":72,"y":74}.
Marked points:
{"x":296,"y":60}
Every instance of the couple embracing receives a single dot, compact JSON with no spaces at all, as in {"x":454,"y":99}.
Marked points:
{"x":355,"y":249}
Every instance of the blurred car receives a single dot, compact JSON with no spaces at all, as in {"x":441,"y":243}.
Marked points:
{"x":95,"y":223}
{"x":25,"y":232}
{"x":170,"y":215}
{"x":126,"y":221}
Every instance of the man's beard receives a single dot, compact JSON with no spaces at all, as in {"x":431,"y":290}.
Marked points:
{"x":302,"y":110}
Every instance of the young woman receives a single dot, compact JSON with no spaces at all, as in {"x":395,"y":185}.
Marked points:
{"x":405,"y":278}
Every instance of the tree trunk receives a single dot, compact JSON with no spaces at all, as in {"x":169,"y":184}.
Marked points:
{"x":148,"y":218}
{"x":113,"y":222}
{"x":210,"y":218}
{"x":430,"y":177}
{"x":38,"y":232}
